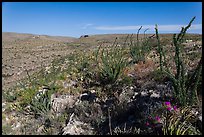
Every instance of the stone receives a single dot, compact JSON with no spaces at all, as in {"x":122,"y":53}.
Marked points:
{"x":76,"y":127}
{"x":155,"y":95}
{"x":144,"y":93}
{"x":72,"y":83}
{"x":65,"y":84}
{"x":60,"y":103}
{"x":199,"y":122}
{"x":89,"y":96}
{"x":200,"y":118}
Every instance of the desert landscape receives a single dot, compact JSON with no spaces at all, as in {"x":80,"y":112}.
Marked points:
{"x":102,"y":68}
{"x":98,"y":84}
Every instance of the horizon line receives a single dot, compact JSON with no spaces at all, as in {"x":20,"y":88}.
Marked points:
{"x":30,"y":33}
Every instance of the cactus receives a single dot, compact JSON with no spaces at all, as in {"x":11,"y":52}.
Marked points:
{"x":181,"y":83}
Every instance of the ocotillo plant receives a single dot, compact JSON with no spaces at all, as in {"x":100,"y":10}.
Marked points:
{"x":140,"y":48}
{"x":185,"y":89}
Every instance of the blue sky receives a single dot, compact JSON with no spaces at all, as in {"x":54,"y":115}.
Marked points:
{"x":79,"y":18}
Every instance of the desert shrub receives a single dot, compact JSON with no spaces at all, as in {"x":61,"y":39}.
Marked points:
{"x":143,"y":69}
{"x":140,"y":48}
{"x":9,"y":95}
{"x":30,"y":88}
{"x":126,"y":131}
{"x":83,"y":62}
{"x":41,"y":103}
{"x":185,"y":87}
{"x":49,"y":76}
{"x":126,"y":80}
{"x":158,"y":76}
{"x":110,"y":62}
{"x":26,"y":96}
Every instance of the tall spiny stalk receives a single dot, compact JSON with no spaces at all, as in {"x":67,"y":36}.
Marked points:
{"x":140,"y":48}
{"x":185,"y":90}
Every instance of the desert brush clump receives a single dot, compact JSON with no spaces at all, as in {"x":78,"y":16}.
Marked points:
{"x":110,"y":62}
{"x":117,"y":88}
{"x":41,"y":103}
{"x":28,"y":95}
{"x":185,"y":86}
{"x":139,"y":49}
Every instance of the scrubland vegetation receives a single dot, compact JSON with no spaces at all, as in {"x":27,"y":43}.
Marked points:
{"x":140,"y":85}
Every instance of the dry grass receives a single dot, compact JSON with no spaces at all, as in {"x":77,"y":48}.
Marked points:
{"x":144,"y":69}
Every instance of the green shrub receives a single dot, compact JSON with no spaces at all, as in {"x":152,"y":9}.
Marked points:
{"x":158,"y":76}
{"x":110,"y":61}
{"x":127,"y":80}
{"x":26,"y":96}
{"x":9,"y":95}
{"x":140,"y":48}
{"x":83,"y":63}
{"x":185,"y":87}
{"x":30,"y":88}
{"x":41,"y":103}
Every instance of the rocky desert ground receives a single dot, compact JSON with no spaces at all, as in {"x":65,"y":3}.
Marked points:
{"x":72,"y":99}
{"x":27,"y":51}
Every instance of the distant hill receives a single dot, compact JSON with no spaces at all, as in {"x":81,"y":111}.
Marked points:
{"x":11,"y":36}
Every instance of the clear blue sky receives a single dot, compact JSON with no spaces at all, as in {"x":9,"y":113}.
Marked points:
{"x":79,"y":18}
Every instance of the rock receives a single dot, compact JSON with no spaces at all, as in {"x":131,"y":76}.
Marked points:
{"x":200,"y":118}
{"x":60,"y":103}
{"x":3,"y":106}
{"x":72,"y":83}
{"x":199,"y":122}
{"x":135,"y":95}
{"x":165,"y":90}
{"x":155,"y":95}
{"x":144,"y":93}
{"x":126,"y":95}
{"x":131,"y":88}
{"x":76,"y":127}
{"x":65,"y":84}
{"x":87,"y":95}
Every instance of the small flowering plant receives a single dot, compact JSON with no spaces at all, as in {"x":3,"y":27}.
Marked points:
{"x":171,"y":120}
{"x":154,"y":123}
{"x":170,"y":108}
{"x":156,"y":120}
